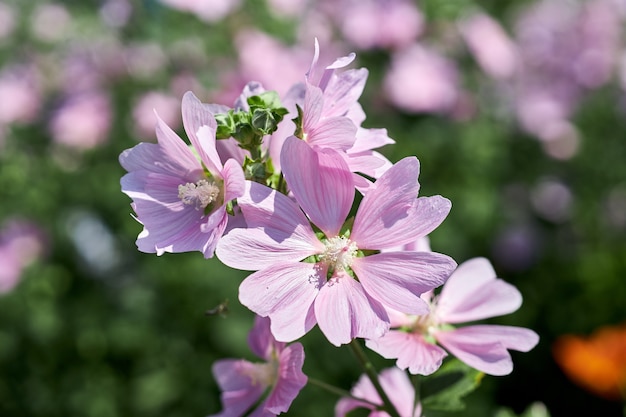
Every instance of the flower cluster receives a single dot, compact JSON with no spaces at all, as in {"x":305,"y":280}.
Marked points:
{"x":272,"y":189}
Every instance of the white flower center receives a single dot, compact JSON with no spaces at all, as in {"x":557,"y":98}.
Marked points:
{"x":199,"y":194}
{"x":339,"y":253}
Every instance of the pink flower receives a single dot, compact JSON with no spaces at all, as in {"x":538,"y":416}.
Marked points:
{"x":21,"y":243}
{"x":243,"y":383}
{"x":83,"y":121}
{"x":491,"y":46}
{"x":180,"y":194}
{"x":396,"y":385}
{"x":332,"y":118}
{"x":296,"y":295}
{"x":421,"y":80}
{"x":471,"y":293}
{"x":380,"y":24}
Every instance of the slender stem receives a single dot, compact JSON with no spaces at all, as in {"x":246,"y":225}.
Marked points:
{"x":371,"y":373}
{"x":338,"y":391}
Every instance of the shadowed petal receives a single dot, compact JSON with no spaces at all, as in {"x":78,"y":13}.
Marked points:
{"x":291,"y":379}
{"x":285,"y":292}
{"x":196,"y":116}
{"x":397,"y":279}
{"x":410,"y":350}
{"x":344,"y":311}
{"x":485,"y":347}
{"x":239,"y":394}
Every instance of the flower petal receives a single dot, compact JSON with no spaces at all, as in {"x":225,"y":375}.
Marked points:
{"x":473,"y":293}
{"x":234,"y":180}
{"x":277,"y":231}
{"x":196,"y":117}
{"x":239,"y":394}
{"x":397,"y":279}
{"x":285,"y":292}
{"x":320,"y":182}
{"x":344,"y":311}
{"x":484,"y":347}
{"x":390,"y":213}
{"x":178,"y":156}
{"x":170,"y":225}
{"x":261,"y":340}
{"x":410,"y":350}
{"x":291,"y":379}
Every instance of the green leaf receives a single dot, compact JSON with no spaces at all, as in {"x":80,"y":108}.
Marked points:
{"x":445,"y":389}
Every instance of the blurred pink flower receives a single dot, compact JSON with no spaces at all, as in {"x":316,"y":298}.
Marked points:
{"x":181,"y":207}
{"x":167,"y":107}
{"x":395,"y":384}
{"x":491,"y":46}
{"x":21,"y":243}
{"x":243,"y":383}
{"x":20,"y":90}
{"x":82,"y":121}
{"x":566,"y":48}
{"x":387,"y":24}
{"x":471,"y":293}
{"x":296,"y":295}
{"x":420,"y":80}
{"x":270,"y":62}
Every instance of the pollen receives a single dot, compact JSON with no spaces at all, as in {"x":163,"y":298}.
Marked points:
{"x":339,"y":253}
{"x":199,"y":194}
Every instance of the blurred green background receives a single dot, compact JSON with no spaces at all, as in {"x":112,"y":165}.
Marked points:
{"x":92,"y":327}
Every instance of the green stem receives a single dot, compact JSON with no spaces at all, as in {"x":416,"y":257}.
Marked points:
{"x":338,"y":391}
{"x":371,"y":373}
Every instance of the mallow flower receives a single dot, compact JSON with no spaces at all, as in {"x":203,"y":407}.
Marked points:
{"x":471,"y":293}
{"x":180,"y":193}
{"x":396,"y":385}
{"x":331,"y":117}
{"x":336,"y":277}
{"x":244,"y":383}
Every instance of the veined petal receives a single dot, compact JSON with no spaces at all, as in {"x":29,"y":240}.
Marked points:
{"x":209,"y":156}
{"x":426,"y":215}
{"x":410,"y":350}
{"x":337,"y":133}
{"x":234,"y":180}
{"x":254,"y":249}
{"x":397,"y":279}
{"x":291,"y":379}
{"x":277,"y":230}
{"x":344,"y":311}
{"x":368,"y":139}
{"x":386,"y":203}
{"x":343,"y":91}
{"x":285,"y":293}
{"x":179,"y":157}
{"x":170,"y":225}
{"x":320,"y":182}
{"x":197,"y":117}
{"x":152,"y":158}
{"x":485,"y":347}
{"x":473,"y":293}
{"x":369,"y":163}
{"x":312,"y":108}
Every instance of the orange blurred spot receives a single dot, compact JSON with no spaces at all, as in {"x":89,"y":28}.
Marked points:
{"x":597,"y":363}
